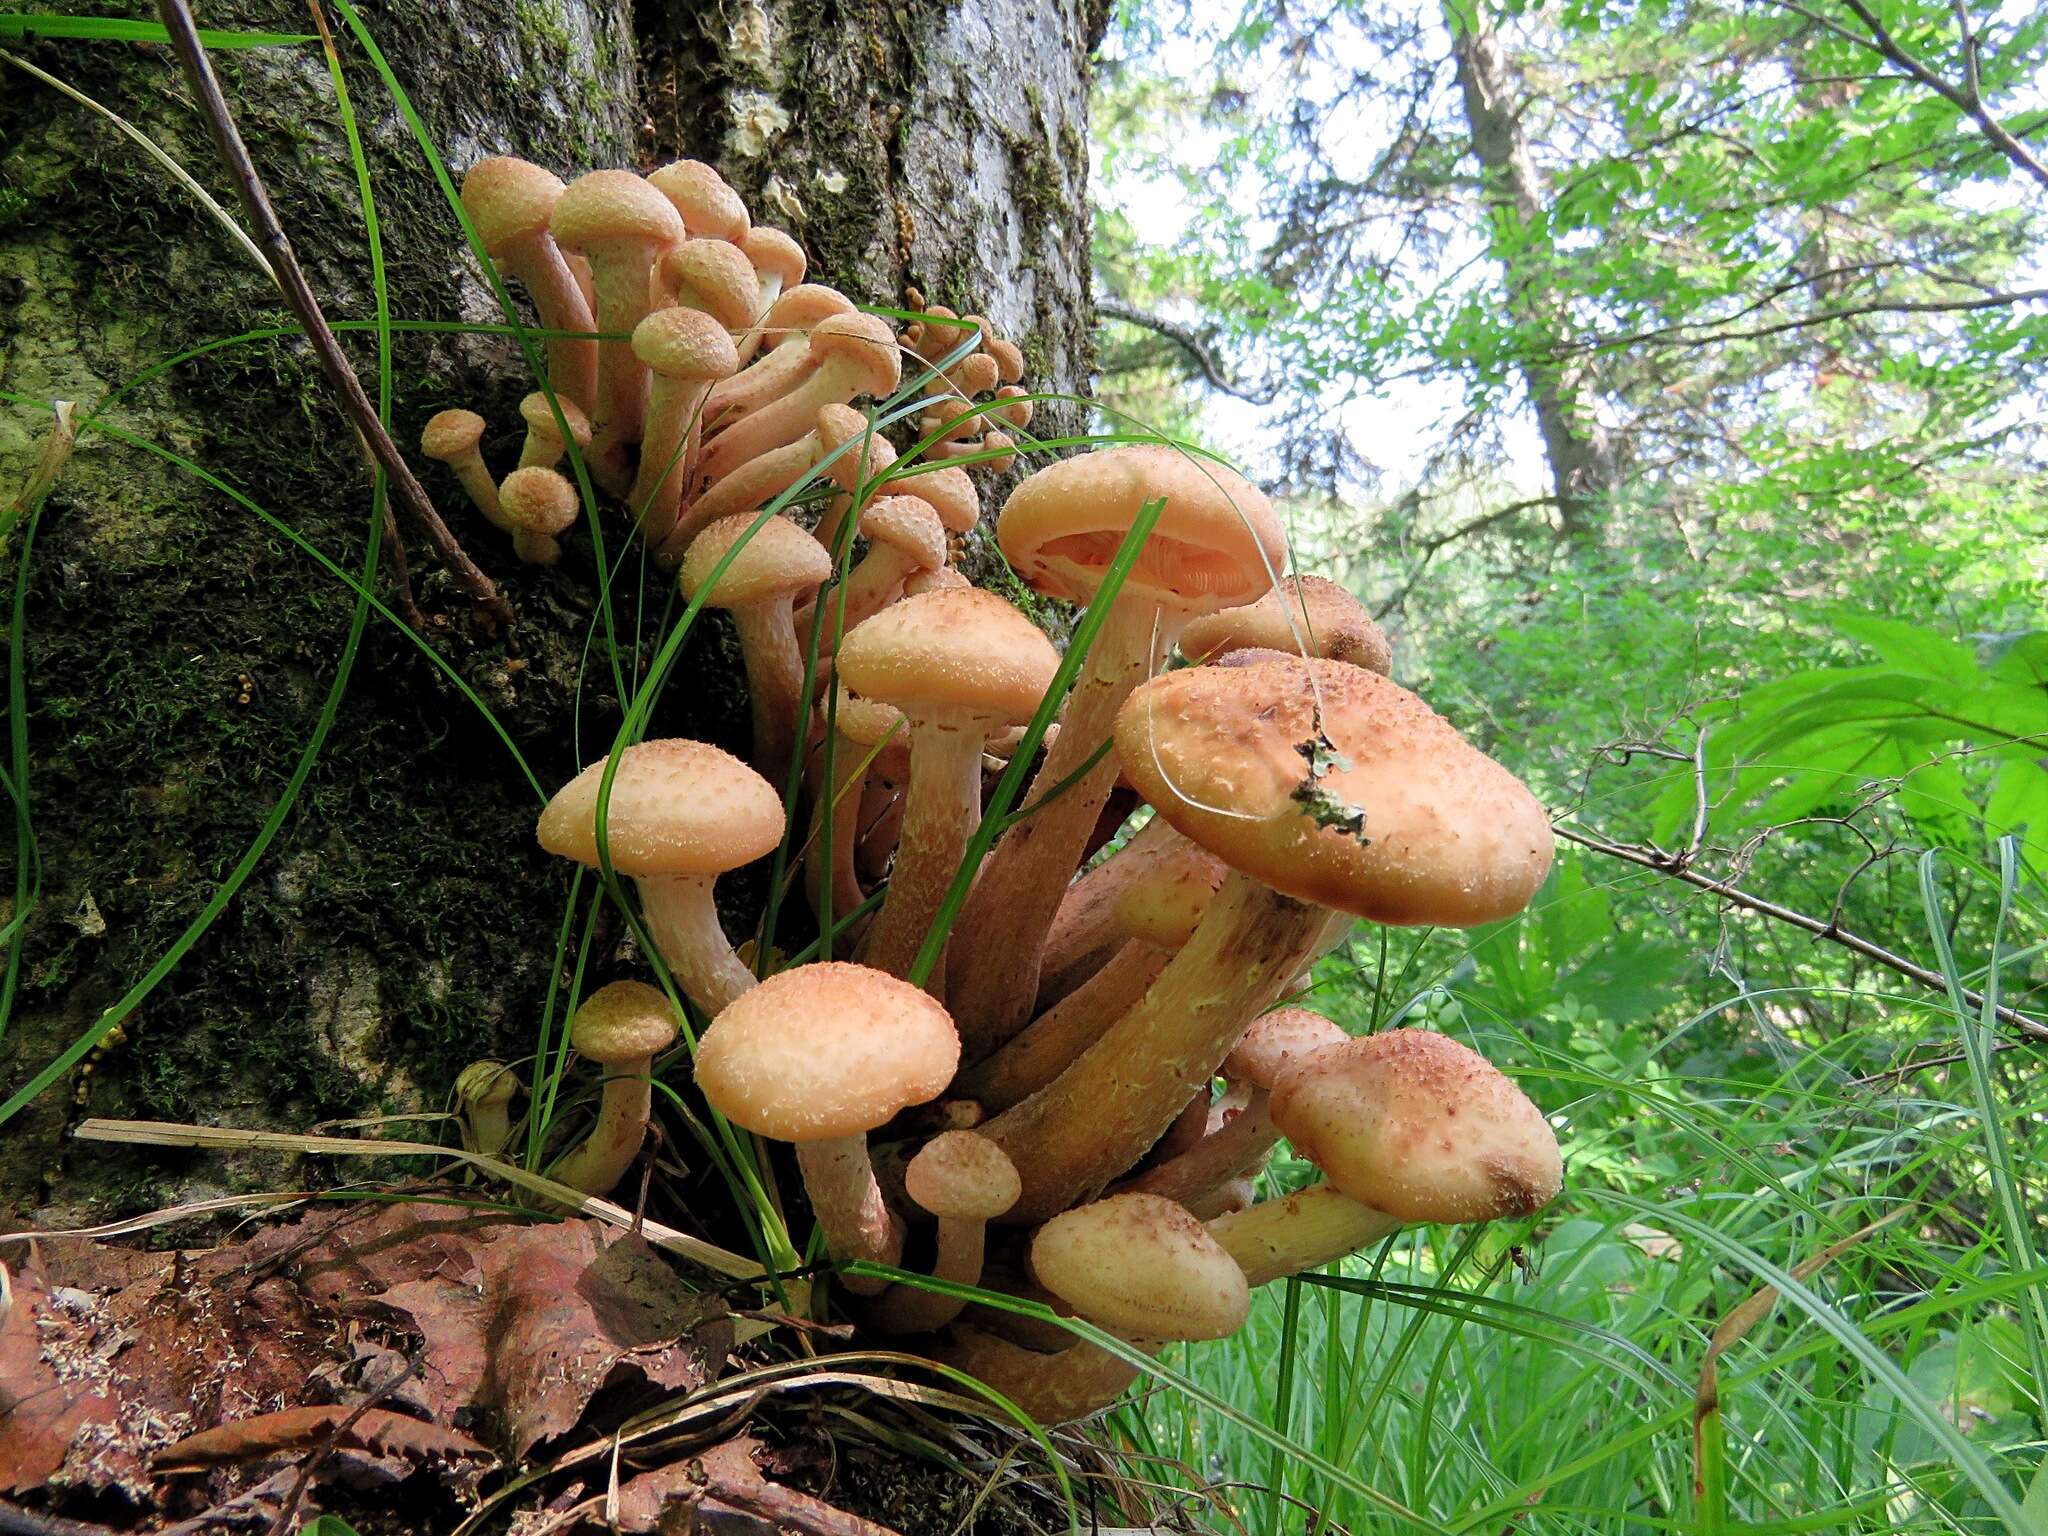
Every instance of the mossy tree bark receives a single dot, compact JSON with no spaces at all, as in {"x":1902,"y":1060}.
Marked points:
{"x":175,"y":651}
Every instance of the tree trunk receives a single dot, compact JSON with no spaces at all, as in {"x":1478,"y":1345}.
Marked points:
{"x":176,"y":651}
{"x":1584,"y":468}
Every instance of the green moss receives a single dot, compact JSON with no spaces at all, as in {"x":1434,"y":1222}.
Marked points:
{"x":541,"y":26}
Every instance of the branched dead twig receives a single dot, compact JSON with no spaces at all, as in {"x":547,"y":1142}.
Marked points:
{"x":1190,"y":342}
{"x":298,"y":295}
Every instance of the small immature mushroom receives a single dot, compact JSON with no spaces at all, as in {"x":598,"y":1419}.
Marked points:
{"x":539,"y":506}
{"x":775,"y":565}
{"x":705,"y":201}
{"x":947,"y":489}
{"x":820,"y":1056}
{"x":682,"y":813}
{"x":866,"y":458}
{"x":1141,"y":1266}
{"x":904,"y":537}
{"x":1407,"y":1126}
{"x":451,"y":437}
{"x":714,"y":277}
{"x":960,"y":665}
{"x":942,"y":579}
{"x":1303,"y":615}
{"x":966,"y":1182}
{"x":853,"y":355}
{"x":622,"y":1027}
{"x":545,"y":444}
{"x":786,"y":331}
{"x":511,"y":203}
{"x":483,"y":1095}
{"x":1048,"y":1388}
{"x":687,"y":351}
{"x":778,"y":263}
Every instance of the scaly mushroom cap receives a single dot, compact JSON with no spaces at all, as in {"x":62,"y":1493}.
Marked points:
{"x":685,"y":344}
{"x":1277,"y":1041}
{"x":540,"y":501}
{"x":839,"y":425}
{"x":602,"y":206}
{"x":949,"y":491}
{"x":623,"y":1021}
{"x":487,"y":1084}
{"x":1449,"y":835}
{"x":958,"y":649}
{"x":1414,"y":1124}
{"x":866,"y":342}
{"x":774,"y":254}
{"x":940,"y":579}
{"x":867,"y":722}
{"x":1143,"y":1265}
{"x":907,"y":525}
{"x":1303,"y":615}
{"x":961,"y":1176}
{"x":451,"y":434}
{"x":677,"y":808}
{"x":703,"y":198}
{"x":1216,"y":544}
{"x":509,"y":199}
{"x":533,"y":410}
{"x":1165,"y":900}
{"x":824,"y":1051}
{"x":716,"y":277}
{"x":780,"y":559}
{"x":804,"y":306}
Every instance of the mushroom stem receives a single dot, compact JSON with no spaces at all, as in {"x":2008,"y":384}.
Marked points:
{"x":1043,"y":1051}
{"x":775,"y":676}
{"x":602,"y":1158}
{"x":682,"y":919}
{"x":1052,"y":1389}
{"x":1083,"y":935}
{"x":1216,"y":1158}
{"x":847,"y":1200}
{"x":939,"y":818}
{"x":674,"y":408}
{"x":1013,"y":903}
{"x":1099,"y":1116}
{"x":1278,"y":1238}
{"x":962,"y":1243}
{"x":849,"y":773}
{"x":484,"y":1093}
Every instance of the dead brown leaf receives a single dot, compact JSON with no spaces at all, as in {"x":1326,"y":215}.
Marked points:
{"x":48,"y":1397}
{"x":376,"y":1430}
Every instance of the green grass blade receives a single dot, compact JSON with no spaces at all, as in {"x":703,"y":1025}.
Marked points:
{"x":30,"y":25}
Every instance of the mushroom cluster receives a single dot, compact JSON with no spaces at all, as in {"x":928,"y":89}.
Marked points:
{"x":1067,"y":1095}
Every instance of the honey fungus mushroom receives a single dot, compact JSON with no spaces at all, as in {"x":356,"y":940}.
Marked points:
{"x":1302,"y":615}
{"x":966,"y":1182}
{"x":621,"y":1027}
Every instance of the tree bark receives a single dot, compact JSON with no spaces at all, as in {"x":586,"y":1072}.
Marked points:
{"x":175,"y":651}
{"x":1584,"y":467}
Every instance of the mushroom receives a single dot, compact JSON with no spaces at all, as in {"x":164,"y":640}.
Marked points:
{"x":1407,"y":1126}
{"x":622,"y":1027}
{"x":1303,"y":615}
{"x":1083,"y":933}
{"x":778,"y":263}
{"x":819,"y":1056}
{"x":947,"y":489}
{"x":511,"y":202}
{"x":787,"y":329}
{"x":545,"y":445}
{"x":851,"y":472}
{"x":1272,"y":768}
{"x":942,"y":579}
{"x":966,"y":1182}
{"x":775,"y":564}
{"x":960,"y":665}
{"x":687,"y":352}
{"x":1275,"y":1042}
{"x":703,"y":199}
{"x":904,"y":537}
{"x":681,"y":814}
{"x":1049,"y":1388}
{"x":1141,"y":1267}
{"x":1216,"y":543}
{"x":852,"y":355}
{"x":622,"y":226}
{"x":483,"y":1092}
{"x":714,"y":277}
{"x":451,"y":437}
{"x":538,"y":506}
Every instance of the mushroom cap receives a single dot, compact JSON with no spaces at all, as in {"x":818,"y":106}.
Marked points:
{"x":533,"y":410}
{"x":974,"y":374}
{"x":940,"y":578}
{"x":683,"y":343}
{"x":1277,"y":1041}
{"x":1414,"y":1124}
{"x":866,"y":722}
{"x":958,"y":649}
{"x":1216,"y":544}
{"x":704,"y":199}
{"x":864,"y":342}
{"x":1141,"y":1264}
{"x":623,"y":1021}
{"x":842,"y":424}
{"x":677,"y":808}
{"x":451,"y":434}
{"x":1168,"y":894}
{"x":774,"y":254}
{"x":824,"y":1051}
{"x":951,"y":492}
{"x":908,"y":526}
{"x":801,"y":307}
{"x":1449,"y":835}
{"x":716,"y":277}
{"x":603,"y":207}
{"x":1009,"y":358}
{"x":960,"y":1176}
{"x":1303,"y":615}
{"x":780,"y":560}
{"x":487,"y":1084}
{"x":539,"y":500}
{"x":509,"y":199}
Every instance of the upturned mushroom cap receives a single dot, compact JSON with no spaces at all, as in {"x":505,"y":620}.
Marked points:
{"x":703,"y":198}
{"x":714,"y":276}
{"x":677,"y":808}
{"x":621,"y":1022}
{"x":605,"y":206}
{"x":824,"y":1051}
{"x":779,"y":560}
{"x":451,"y":434}
{"x":950,"y":492}
{"x":533,"y":410}
{"x":539,"y":500}
{"x":1303,"y":615}
{"x":907,"y":525}
{"x":958,"y":649}
{"x":1216,"y":544}
{"x":864,"y":342}
{"x":685,"y":344}
{"x":1143,"y":1265}
{"x":1164,"y":902}
{"x":1414,"y":1124}
{"x":1449,"y":836}
{"x":774,"y":254}
{"x":961,"y":1176}
{"x":1277,"y":1041}
{"x":509,"y":199}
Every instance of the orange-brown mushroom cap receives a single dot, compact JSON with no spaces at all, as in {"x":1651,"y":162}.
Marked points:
{"x":961,"y":1176}
{"x":1277,"y":1041}
{"x":685,"y":344}
{"x":604,"y":206}
{"x":1303,"y":615}
{"x":539,"y":500}
{"x":717,"y":278}
{"x":509,"y":199}
{"x":677,"y":808}
{"x":778,"y":560}
{"x":956,"y":649}
{"x":623,"y":1021}
{"x":1142,"y":1265}
{"x":704,"y":199}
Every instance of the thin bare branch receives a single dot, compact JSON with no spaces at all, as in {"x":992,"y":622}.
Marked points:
{"x":1190,"y":342}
